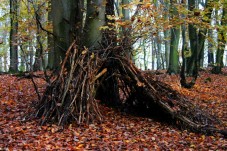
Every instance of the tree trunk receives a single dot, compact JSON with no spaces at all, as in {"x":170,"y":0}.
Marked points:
{"x":39,"y":46}
{"x":167,"y":47}
{"x":197,"y":39}
{"x":5,"y":62}
{"x":192,"y":62}
{"x":50,"y":42}
{"x":186,"y":55}
{"x":210,"y":49}
{"x":142,"y":45}
{"x":221,"y":42}
{"x":203,"y":30}
{"x":159,"y":51}
{"x":174,"y":42}
{"x":127,"y":32}
{"x":13,"y":35}
{"x":174,"y":54}
{"x":5,"y":54}
{"x":167,"y":35}
{"x":39,"y":63}
{"x":94,"y":20}
{"x":1,"y":63}
{"x":64,"y":21}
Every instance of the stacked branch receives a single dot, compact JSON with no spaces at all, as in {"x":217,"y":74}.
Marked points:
{"x":140,"y":90}
{"x":86,"y":75}
{"x":155,"y":95}
{"x":70,"y":97}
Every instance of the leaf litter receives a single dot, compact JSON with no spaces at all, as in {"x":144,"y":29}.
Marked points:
{"x":118,"y":131}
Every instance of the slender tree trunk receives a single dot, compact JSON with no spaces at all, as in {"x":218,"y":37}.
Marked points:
{"x":39,"y":63}
{"x":210,"y":49}
{"x":158,"y":52}
{"x":144,"y":54}
{"x":13,"y":38}
{"x":191,"y":63}
{"x":39,"y":43}
{"x":31,"y":56}
{"x":203,"y":31}
{"x":167,"y":35}
{"x":22,"y":66}
{"x":5,"y":62}
{"x":1,"y":63}
{"x":221,"y":42}
{"x":185,"y":55}
{"x":153,"y":54}
{"x":174,"y":54}
{"x":197,"y":39}
{"x":184,"y":46}
{"x":174,"y":42}
{"x":38,"y":53}
{"x":5,"y":54}
{"x":167,"y":47}
{"x":159,"y":43}
{"x":50,"y":43}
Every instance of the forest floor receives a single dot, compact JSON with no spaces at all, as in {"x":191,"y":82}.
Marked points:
{"x":117,"y":131}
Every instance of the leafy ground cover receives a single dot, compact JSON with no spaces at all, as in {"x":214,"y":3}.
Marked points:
{"x":117,"y":131}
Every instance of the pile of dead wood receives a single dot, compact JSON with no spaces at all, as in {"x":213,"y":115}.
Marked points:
{"x":87,"y":75}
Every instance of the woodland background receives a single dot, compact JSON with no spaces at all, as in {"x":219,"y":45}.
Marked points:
{"x":34,"y":33}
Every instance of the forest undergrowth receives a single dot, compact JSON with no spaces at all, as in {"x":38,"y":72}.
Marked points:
{"x":118,"y":130}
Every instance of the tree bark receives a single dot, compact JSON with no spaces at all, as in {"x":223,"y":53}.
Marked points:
{"x":174,"y":42}
{"x":203,"y":30}
{"x":94,"y":20}
{"x":14,"y":7}
{"x":210,"y":49}
{"x":197,"y":39}
{"x":50,"y":42}
{"x":167,"y":35}
{"x":64,"y":21}
{"x":221,"y":42}
{"x":39,"y":45}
